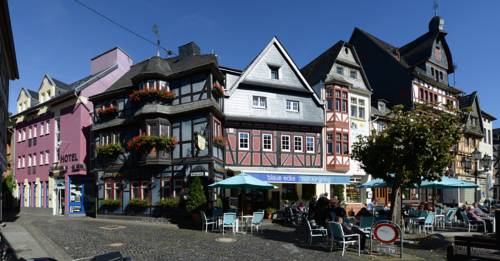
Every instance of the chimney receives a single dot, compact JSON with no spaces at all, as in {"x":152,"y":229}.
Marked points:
{"x":110,"y":58}
{"x":189,"y":49}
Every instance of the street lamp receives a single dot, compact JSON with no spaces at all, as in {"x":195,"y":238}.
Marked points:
{"x":476,"y":156}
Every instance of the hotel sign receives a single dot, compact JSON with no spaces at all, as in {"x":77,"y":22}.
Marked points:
{"x":71,"y":157}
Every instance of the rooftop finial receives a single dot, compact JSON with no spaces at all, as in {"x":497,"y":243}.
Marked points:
{"x":435,"y":7}
{"x":156,"y":31}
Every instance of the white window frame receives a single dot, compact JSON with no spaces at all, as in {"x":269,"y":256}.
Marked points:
{"x":313,"y":144}
{"x":239,"y":140}
{"x":282,"y":141}
{"x":47,"y":127}
{"x":29,"y":133}
{"x":34,"y":130}
{"x":24,"y":134}
{"x":295,"y":139}
{"x":290,"y":105}
{"x":261,"y":102}
{"x":24,"y":161}
{"x":274,"y":68}
{"x":42,"y":125}
{"x":34,"y":159}
{"x":353,"y":72}
{"x":29,"y":160}
{"x":47,"y":153}
{"x":41,"y":157}
{"x":19,"y":136}
{"x":270,"y":136}
{"x":18,"y":162}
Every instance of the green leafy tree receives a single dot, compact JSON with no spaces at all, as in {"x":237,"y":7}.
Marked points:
{"x":415,"y":146}
{"x":196,"y":198}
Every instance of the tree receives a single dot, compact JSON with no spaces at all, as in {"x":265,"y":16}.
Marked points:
{"x":196,"y":199}
{"x":415,"y":146}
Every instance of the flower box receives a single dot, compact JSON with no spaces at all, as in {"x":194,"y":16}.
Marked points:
{"x":151,"y":95}
{"x":109,"y":151}
{"x":144,"y":144}
{"x":107,"y":112}
{"x":218,"y":90}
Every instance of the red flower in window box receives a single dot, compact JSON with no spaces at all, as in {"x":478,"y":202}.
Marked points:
{"x":144,"y":144}
{"x":219,"y":141}
{"x":151,"y":95}
{"x":218,"y":90}
{"x":107,"y":111}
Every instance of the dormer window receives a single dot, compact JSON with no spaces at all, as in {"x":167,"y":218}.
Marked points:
{"x":381,"y":106}
{"x":154,"y":85}
{"x":275,"y":72}
{"x":353,"y":74}
{"x":340,"y":70}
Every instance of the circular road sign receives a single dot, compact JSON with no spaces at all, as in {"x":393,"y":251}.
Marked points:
{"x":386,"y":233}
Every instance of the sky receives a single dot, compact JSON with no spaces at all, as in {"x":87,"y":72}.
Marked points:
{"x":59,"y":37}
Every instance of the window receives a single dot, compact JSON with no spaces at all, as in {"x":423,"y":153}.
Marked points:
{"x":24,"y":162}
{"x":18,"y":162}
{"x":421,"y":93}
{"x":34,"y":131}
{"x":29,"y":160}
{"x":41,"y":128}
{"x":340,"y":70}
{"x":244,"y":140}
{"x":275,"y":70}
{"x":329,"y":143}
{"x":108,"y":190}
{"x":292,"y":106}
{"x":41,"y":157}
{"x":134,"y":190}
{"x":310,"y":144}
{"x":34,"y":159}
{"x":47,"y":127}
{"x":29,"y":133}
{"x":329,"y":105}
{"x":19,"y":136}
{"x":432,"y":71}
{"x":146,"y":190}
{"x":267,"y":142}
{"x":259,"y":102}
{"x":345,"y":146}
{"x":353,"y":74}
{"x":354,"y":107}
{"x":338,"y":140}
{"x":489,"y":137}
{"x":344,"y":101}
{"x":24,"y":134}
{"x":361,"y":108}
{"x":285,"y":142}
{"x":297,"y":144}
{"x":441,"y":75}
{"x":46,"y":157}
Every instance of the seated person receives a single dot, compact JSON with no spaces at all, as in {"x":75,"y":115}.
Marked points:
{"x":301,"y":207}
{"x":473,"y":217}
{"x":363,"y":212}
{"x":479,"y":211}
{"x":348,"y":228}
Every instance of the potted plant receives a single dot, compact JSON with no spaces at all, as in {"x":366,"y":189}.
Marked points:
{"x":219,"y":141}
{"x":151,"y":95}
{"x":110,"y":205}
{"x":110,"y":151}
{"x":144,"y":144}
{"x":269,"y":211}
{"x":217,"y":90}
{"x":196,"y":199}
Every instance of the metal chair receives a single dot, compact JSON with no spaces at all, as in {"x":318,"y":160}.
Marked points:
{"x":207,"y":222}
{"x":472,"y":223}
{"x":365,"y":223}
{"x":428,"y":223}
{"x":315,"y":232}
{"x":337,"y":235}
{"x":450,"y":217}
{"x":229,"y":220}
{"x":257,"y":219}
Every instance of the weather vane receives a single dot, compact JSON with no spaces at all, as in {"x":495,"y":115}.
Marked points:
{"x":156,"y":31}
{"x":435,"y":6}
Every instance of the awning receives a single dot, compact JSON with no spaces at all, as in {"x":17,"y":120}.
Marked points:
{"x":300,"y":178}
{"x":243,"y":181}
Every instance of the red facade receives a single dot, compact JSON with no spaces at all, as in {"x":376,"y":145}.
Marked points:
{"x":337,"y":128}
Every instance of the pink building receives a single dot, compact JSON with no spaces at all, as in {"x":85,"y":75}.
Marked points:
{"x":51,"y":137}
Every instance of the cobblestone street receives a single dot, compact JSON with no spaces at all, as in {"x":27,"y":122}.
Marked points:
{"x":82,"y":238}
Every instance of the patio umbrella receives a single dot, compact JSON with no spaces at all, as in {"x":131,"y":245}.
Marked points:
{"x":447,"y":182}
{"x":374,"y":183}
{"x":243,"y":181}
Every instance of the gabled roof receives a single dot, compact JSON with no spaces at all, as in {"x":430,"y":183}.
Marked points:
{"x":32,"y":94}
{"x":466,"y":101}
{"x":275,"y":42}
{"x":487,"y":115}
{"x":318,"y":69}
{"x":417,"y":51}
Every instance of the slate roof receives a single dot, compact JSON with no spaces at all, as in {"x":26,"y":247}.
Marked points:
{"x":487,"y":115}
{"x":33,"y":94}
{"x":466,"y":101}
{"x":318,"y":69}
{"x":163,"y":68}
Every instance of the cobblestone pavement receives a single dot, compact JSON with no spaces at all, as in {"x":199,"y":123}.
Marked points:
{"x":85,"y":237}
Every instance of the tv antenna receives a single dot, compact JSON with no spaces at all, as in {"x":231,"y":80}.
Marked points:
{"x":435,"y":7}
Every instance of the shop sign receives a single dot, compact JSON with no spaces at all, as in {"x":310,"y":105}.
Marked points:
{"x":295,"y":178}
{"x":71,"y":157}
{"x":198,"y":174}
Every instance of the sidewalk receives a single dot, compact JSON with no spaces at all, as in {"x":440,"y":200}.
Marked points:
{"x":25,"y":244}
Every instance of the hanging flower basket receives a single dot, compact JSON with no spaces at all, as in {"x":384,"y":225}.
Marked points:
{"x":109,"y":151}
{"x":144,"y":144}
{"x":219,"y":141}
{"x":107,"y":112}
{"x":151,"y":95}
{"x":218,"y":90}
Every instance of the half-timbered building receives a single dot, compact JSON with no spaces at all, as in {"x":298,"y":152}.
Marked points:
{"x":338,"y":79}
{"x":157,"y":127}
{"x":274,"y":126}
